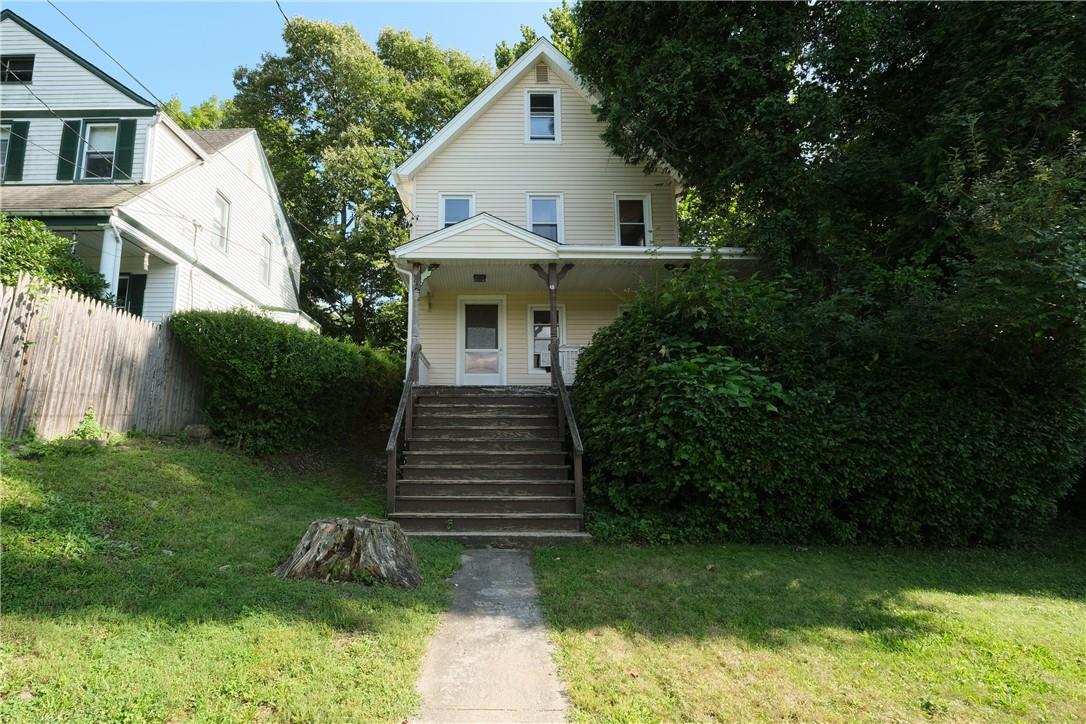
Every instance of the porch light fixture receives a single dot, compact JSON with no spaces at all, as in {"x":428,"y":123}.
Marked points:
{"x":479,"y":278}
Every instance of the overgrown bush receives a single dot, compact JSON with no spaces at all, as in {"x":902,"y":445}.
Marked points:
{"x":30,"y":247}
{"x":929,"y":408}
{"x":272,"y":386}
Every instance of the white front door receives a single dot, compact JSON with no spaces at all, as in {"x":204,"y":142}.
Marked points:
{"x":481,"y":341}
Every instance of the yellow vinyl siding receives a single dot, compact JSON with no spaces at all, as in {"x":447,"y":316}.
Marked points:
{"x":586,"y":312}
{"x":490,"y":159}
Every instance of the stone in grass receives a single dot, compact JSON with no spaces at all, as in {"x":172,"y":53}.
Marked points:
{"x":197,"y":433}
{"x":354,"y":549}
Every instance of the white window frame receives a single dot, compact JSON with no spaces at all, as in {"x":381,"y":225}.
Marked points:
{"x":646,"y":201}
{"x":88,"y":149}
{"x":222,"y":243}
{"x":532,"y":308}
{"x":469,"y":195}
{"x":266,"y":261}
{"x":528,"y":92}
{"x":560,"y":199}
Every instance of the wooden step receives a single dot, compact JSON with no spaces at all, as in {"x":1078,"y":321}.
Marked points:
{"x":460,"y":419}
{"x":507,"y":432}
{"x":485,"y":487}
{"x":484,"y":458}
{"x":487,"y":522}
{"x":508,"y":471}
{"x":485,"y":504}
{"x":484,"y":391}
{"x":461,"y":444}
{"x":506,"y":539}
{"x":502,"y":402}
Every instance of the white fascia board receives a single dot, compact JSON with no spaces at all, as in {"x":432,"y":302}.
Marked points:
{"x":542,"y":49}
{"x":483,"y":219}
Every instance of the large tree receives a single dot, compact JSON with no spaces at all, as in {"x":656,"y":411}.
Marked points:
{"x":563,"y":35}
{"x":336,"y":115}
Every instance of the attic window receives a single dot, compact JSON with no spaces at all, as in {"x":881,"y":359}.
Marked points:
{"x":16,"y":68}
{"x":541,"y":73}
{"x":543,"y":122}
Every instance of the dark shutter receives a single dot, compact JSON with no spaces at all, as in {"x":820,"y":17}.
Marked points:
{"x":13,"y":166}
{"x":69,"y":147}
{"x":126,"y":146}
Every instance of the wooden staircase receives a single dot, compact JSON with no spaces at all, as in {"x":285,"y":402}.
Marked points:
{"x":485,"y":465}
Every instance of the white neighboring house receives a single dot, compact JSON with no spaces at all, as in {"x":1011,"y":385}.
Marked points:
{"x":514,"y":197}
{"x":173,"y":219}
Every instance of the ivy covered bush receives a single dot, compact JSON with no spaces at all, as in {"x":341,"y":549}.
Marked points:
{"x":29,"y":247}
{"x":272,"y":386}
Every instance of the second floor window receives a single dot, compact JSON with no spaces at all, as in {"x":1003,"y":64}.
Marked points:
{"x":266,"y":262}
{"x":16,"y":68}
{"x":633,"y":220}
{"x":545,"y":215}
{"x":99,"y":150}
{"x":455,"y":208}
{"x":220,"y":222}
{"x":5,"y":139}
{"x":542,"y":116}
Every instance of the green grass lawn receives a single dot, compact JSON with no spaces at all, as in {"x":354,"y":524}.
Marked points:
{"x":137,"y":586}
{"x":730,"y":633}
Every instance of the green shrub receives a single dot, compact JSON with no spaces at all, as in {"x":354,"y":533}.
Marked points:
{"x":272,"y":386}
{"x":716,"y":408}
{"x":28,"y":246}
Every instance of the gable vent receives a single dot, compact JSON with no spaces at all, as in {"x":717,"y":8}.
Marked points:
{"x":541,"y":73}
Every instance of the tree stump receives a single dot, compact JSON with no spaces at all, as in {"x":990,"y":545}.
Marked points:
{"x":363,"y":550}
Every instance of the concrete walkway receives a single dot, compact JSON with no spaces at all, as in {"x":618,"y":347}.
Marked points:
{"x":490,"y":660}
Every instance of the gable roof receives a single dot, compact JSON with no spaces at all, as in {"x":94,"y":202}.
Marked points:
{"x":542,"y":49}
{"x":64,"y":50}
{"x":479,"y":220}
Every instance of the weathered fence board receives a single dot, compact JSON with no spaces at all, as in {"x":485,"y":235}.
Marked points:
{"x":62,"y":352}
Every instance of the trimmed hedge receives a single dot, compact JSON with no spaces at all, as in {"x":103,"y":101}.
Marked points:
{"x":721,"y":409}
{"x":272,"y":386}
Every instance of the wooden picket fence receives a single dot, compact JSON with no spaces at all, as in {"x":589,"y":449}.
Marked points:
{"x":62,"y":353}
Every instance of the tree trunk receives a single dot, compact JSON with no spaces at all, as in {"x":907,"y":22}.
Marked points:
{"x":363,"y":550}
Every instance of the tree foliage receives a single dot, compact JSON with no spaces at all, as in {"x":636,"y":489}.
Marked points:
{"x":28,"y":246}
{"x":913,"y":177}
{"x":563,"y":35}
{"x":212,"y":113}
{"x":336,"y":115}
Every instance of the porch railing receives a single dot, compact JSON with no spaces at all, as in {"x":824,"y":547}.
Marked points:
{"x":401,"y":424}
{"x":567,"y":423}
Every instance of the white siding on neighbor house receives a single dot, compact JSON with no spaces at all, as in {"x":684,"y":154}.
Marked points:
{"x":586,"y":312}
{"x":170,"y":153}
{"x":58,"y":80}
{"x":43,"y":150}
{"x":491,"y":159}
{"x":252,"y":217}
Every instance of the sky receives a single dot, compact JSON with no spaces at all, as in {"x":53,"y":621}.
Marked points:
{"x":190,"y":49}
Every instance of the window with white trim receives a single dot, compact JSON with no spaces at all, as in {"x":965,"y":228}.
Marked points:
{"x":266,"y":262}
{"x":539,"y":331}
{"x":545,"y":215}
{"x":633,"y":219}
{"x":220,"y":222}
{"x":454,"y":208}
{"x":99,"y":150}
{"x":543,"y":122}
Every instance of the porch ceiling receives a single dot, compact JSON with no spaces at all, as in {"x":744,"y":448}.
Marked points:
{"x":584,"y":276}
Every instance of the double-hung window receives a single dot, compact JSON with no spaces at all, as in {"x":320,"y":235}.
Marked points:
{"x":220,"y":222}
{"x":454,"y":208}
{"x":266,"y":262}
{"x":544,"y":117}
{"x":540,"y":332}
{"x":99,"y":150}
{"x":633,"y":219}
{"x":545,"y":215}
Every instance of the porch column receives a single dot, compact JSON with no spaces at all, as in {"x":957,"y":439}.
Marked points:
{"x":109,"y":265}
{"x":552,"y":277}
{"x":416,"y":289}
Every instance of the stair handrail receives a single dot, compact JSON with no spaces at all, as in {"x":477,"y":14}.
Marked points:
{"x":401,"y":423}
{"x":567,"y":421}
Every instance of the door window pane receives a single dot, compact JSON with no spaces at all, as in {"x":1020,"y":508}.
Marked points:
{"x":480,"y":326}
{"x":457,"y":208}
{"x":481,"y":363}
